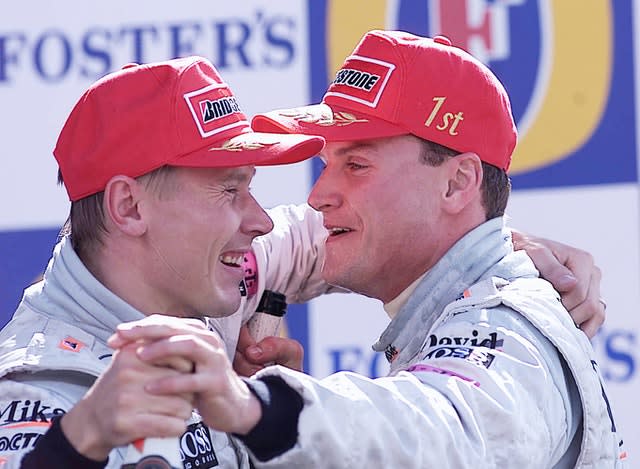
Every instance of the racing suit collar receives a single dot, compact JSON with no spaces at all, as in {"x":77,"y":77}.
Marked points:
{"x":484,"y":252}
{"x":393,"y":307}
{"x":70,"y":293}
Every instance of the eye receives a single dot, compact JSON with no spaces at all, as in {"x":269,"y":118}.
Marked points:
{"x":355,"y":166}
{"x":232,"y":191}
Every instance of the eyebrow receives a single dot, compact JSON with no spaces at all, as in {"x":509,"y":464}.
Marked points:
{"x":354,"y":146}
{"x":237,"y":175}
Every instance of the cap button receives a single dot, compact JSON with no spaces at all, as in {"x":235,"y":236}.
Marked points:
{"x":444,"y":40}
{"x":130,"y":65}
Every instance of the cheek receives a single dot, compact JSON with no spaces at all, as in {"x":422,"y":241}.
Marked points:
{"x":399,"y":220}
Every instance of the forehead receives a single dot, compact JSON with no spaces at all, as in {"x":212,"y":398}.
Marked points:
{"x":239,"y":174}
{"x":369,"y":147}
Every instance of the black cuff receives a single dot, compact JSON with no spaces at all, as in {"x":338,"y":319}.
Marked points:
{"x":54,"y":451}
{"x":277,"y":430}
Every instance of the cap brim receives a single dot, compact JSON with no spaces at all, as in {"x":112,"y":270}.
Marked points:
{"x":334,"y":123}
{"x":254,"y":148}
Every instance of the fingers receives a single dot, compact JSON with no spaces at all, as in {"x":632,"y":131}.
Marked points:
{"x":151,"y":426}
{"x":573,"y":273}
{"x":220,"y":396}
{"x":241,"y":364}
{"x":180,"y":364}
{"x":587,"y":274}
{"x":244,"y":367}
{"x":591,"y":313}
{"x":117,"y":409}
{"x":126,"y":378}
{"x":269,"y":351}
{"x":551,"y":267}
{"x":200,"y":349}
{"x":282,"y":351}
{"x":592,"y":326}
{"x":208,"y":357}
{"x":152,"y":328}
{"x":245,"y":338}
{"x":583,"y":299}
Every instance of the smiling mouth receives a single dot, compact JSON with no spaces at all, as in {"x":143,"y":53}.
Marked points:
{"x":338,"y":231}
{"x":232,"y":261}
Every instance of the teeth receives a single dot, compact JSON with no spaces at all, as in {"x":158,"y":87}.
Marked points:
{"x":232,"y":260}
{"x":335,"y":231}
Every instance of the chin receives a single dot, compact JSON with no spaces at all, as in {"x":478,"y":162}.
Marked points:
{"x":336,"y":278}
{"x":221,"y":307}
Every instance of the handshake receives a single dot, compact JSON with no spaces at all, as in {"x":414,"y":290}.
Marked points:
{"x":163,"y":369}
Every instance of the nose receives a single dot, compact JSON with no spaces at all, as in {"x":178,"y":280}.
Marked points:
{"x":323,"y":195}
{"x":256,"y":221}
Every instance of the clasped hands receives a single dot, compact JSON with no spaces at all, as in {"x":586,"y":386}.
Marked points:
{"x":162,"y":369}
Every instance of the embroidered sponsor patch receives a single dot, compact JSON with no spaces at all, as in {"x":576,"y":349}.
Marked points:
{"x":214,"y":109}
{"x":71,"y":344}
{"x":362,"y":79}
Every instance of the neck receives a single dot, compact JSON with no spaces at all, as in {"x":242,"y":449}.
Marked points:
{"x":120,"y":267}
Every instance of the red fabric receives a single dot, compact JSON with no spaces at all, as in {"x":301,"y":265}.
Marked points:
{"x":396,"y":83}
{"x":179,"y":112}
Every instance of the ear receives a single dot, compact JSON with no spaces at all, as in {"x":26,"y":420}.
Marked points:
{"x":465,"y":180}
{"x":122,"y":199}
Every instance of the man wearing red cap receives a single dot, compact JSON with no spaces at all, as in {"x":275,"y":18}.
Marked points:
{"x":157,"y":160}
{"x":487,"y":368}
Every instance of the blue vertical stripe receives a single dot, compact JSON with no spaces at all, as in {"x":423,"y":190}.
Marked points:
{"x":298,"y":326}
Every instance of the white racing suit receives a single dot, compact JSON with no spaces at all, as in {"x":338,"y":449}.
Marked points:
{"x":487,"y":371}
{"x":55,"y":345}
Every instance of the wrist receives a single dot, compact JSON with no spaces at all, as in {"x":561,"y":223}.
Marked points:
{"x":82,"y":435}
{"x":252,"y":412}
{"x":277,"y":429}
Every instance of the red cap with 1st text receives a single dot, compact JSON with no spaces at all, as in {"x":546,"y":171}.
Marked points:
{"x":397,"y":83}
{"x":178,"y":113}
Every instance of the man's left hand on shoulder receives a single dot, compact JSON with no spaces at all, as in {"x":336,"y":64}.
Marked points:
{"x":573,"y":273}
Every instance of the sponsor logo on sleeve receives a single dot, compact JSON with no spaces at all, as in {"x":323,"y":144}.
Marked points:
{"x":490,"y":341}
{"x":474,"y":349}
{"x":477,"y":356}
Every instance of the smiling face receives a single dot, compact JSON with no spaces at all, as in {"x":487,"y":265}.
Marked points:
{"x":384,"y":210}
{"x":198,"y":232}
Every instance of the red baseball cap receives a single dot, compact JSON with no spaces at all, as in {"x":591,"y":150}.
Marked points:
{"x":178,"y":113}
{"x":396,"y":83}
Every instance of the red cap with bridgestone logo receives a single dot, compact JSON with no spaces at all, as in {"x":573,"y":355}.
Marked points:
{"x":397,"y":83}
{"x":177,"y":113}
